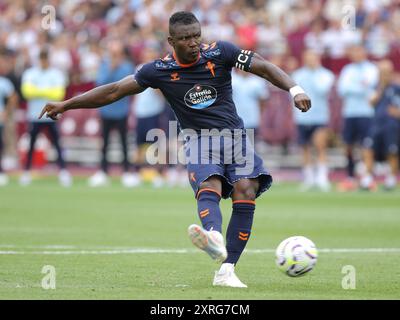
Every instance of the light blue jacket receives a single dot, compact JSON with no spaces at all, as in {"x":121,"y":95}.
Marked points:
{"x":120,"y":108}
{"x":317,"y":84}
{"x":6,"y":90}
{"x":356,"y":85}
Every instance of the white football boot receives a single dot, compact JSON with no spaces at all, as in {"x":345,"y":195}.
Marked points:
{"x":368,"y":183}
{"x":390,"y":182}
{"x":226,"y":277}
{"x":25,"y":179}
{"x":172,"y":177}
{"x":99,"y":179}
{"x":3,"y":179}
{"x":308,"y":179}
{"x":322,"y":180}
{"x":211,"y":242}
{"x":65,"y":178}
{"x":157,"y":182}
{"x":130,"y":180}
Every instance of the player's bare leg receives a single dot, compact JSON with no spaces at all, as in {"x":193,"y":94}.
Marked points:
{"x":391,"y":178}
{"x":320,"y":140}
{"x":308,"y":172}
{"x":367,"y":180}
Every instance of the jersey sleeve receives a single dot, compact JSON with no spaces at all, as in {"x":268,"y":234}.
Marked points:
{"x":144,"y":76}
{"x":236,"y":57}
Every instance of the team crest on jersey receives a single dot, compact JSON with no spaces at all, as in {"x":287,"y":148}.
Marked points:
{"x":200,"y":96}
{"x":210,"y":66}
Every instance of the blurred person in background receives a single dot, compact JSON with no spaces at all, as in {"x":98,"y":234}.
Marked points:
{"x":312,"y":127}
{"x":386,"y":125}
{"x":148,"y":107}
{"x":249,"y":95}
{"x":267,"y":24}
{"x":60,"y":56}
{"x":277,"y":122}
{"x":8,"y":100}
{"x":314,"y":38}
{"x":39,"y":85}
{"x":7,"y":67}
{"x":89,"y":61}
{"x":114,"y":67}
{"x":176,"y":174}
{"x":336,"y":40}
{"x":355,"y":85}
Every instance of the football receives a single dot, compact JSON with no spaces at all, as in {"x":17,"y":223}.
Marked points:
{"x":296,"y":256}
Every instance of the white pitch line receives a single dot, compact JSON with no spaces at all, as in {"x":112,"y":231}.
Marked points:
{"x":53,"y":246}
{"x":98,"y":252}
{"x":111,"y":251}
{"x":339,"y":250}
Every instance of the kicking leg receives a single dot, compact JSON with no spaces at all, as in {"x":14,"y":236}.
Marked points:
{"x":209,"y":238}
{"x":208,"y":198}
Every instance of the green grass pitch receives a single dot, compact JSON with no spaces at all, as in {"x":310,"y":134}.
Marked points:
{"x":93,"y":238}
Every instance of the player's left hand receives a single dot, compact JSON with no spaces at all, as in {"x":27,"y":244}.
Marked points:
{"x":302,"y":102}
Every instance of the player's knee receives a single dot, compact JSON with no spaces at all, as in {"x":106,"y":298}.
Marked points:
{"x":245,"y":190}
{"x":213,"y":183}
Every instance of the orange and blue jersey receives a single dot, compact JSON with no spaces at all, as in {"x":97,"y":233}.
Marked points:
{"x":199,"y":93}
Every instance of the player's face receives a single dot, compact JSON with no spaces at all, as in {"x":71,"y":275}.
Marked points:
{"x":385,"y":71}
{"x":311,"y":60}
{"x":186,"y":40}
{"x":357,"y":54}
{"x":44,"y":62}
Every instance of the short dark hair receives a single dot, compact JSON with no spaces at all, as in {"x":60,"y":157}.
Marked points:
{"x":44,"y":53}
{"x":181,"y":17}
{"x":6,"y":52}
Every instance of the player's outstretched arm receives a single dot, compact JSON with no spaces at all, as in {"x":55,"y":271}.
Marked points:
{"x":261,"y":67}
{"x":95,"y":98}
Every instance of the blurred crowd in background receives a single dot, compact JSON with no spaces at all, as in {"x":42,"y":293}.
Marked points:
{"x":84,"y":33}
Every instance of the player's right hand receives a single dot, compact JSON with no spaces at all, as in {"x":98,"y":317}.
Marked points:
{"x":302,"y":102}
{"x":53,"y":110}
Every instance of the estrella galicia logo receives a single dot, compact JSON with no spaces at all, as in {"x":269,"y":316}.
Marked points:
{"x":200,"y":96}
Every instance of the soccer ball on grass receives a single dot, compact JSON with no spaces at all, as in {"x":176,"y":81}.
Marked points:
{"x":296,"y":256}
